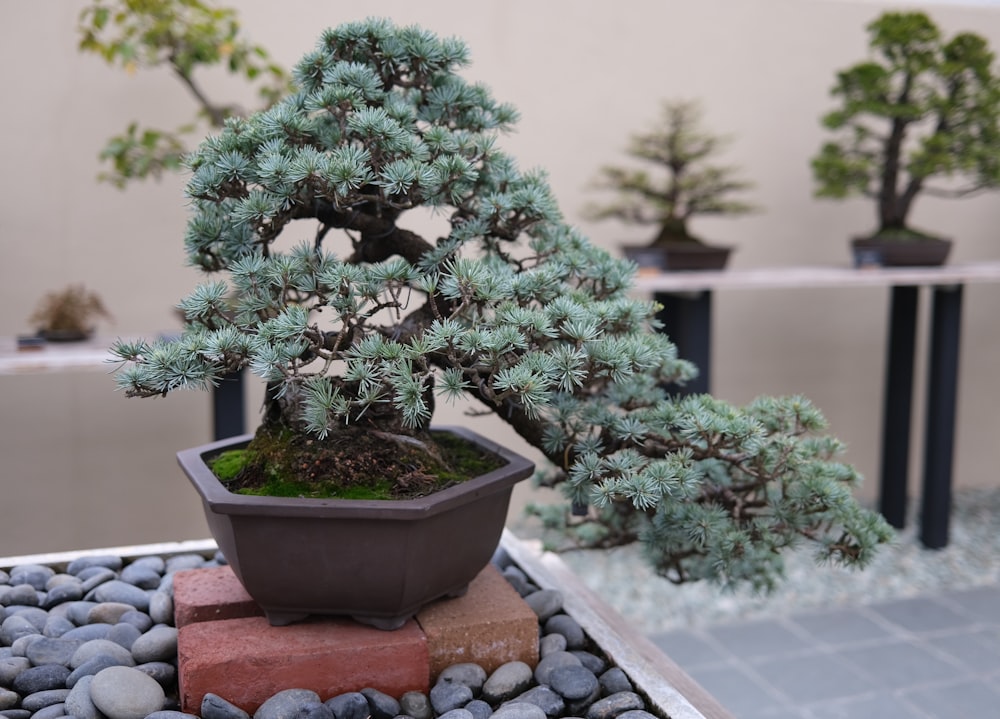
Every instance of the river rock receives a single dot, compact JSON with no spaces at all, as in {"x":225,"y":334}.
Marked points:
{"x":158,"y":644}
{"x":125,"y":693}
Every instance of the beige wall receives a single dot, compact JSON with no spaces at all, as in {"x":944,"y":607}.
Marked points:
{"x":584,"y":75}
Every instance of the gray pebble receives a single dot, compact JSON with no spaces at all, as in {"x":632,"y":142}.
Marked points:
{"x":170,"y":714}
{"x":544,"y":698}
{"x":350,"y":705}
{"x":161,"y":607}
{"x":615,"y":680}
{"x":479,"y":709}
{"x":591,"y":661}
{"x":124,"y":634}
{"x":164,"y":673}
{"x":60,"y":579}
{"x":53,"y":711}
{"x":10,"y":667}
{"x":569,"y":628}
{"x":140,"y":576}
{"x":47,"y":650}
{"x":507,"y":681}
{"x":574,"y":683}
{"x":96,"y":664}
{"x":15,"y":627}
{"x":636,"y":714}
{"x":79,"y":703}
{"x":94,"y":577}
{"x":554,"y":661}
{"x":519,"y":710}
{"x":468,"y":673}
{"x":459,"y":713}
{"x":23,"y":595}
{"x":36,"y":615}
{"x":215,"y":707}
{"x":34,"y":574}
{"x":88,"y":632}
{"x":15,"y":714}
{"x":416,"y":705}
{"x":286,"y":704}
{"x":446,"y":696}
{"x":550,"y":644}
{"x":158,"y":644}
{"x":94,"y":647}
{"x":611,"y":706}
{"x":152,"y":562}
{"x":40,"y":678}
{"x":124,"y":693}
{"x":77,"y":612}
{"x":108,"y":612}
{"x":106,"y":561}
{"x":140,"y":620}
{"x":20,"y":646}
{"x":381,"y":704}
{"x":42,"y":699}
{"x":183,"y":561}
{"x":56,"y":626}
{"x":8,"y":699}
{"x":545,"y":603}
{"x":119,"y":591}
{"x":63,"y":593}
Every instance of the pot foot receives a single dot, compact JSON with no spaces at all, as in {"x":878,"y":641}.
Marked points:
{"x":386,"y":624}
{"x":283,"y":619}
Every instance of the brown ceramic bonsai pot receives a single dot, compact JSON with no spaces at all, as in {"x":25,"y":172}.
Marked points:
{"x":878,"y":252}
{"x":378,"y":561}
{"x":678,"y":256}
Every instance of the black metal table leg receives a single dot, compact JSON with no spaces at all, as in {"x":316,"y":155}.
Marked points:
{"x":228,"y":407}
{"x":939,"y":431}
{"x":898,"y":400}
{"x":687,"y":321}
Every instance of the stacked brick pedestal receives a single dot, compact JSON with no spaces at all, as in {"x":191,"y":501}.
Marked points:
{"x":225,"y":645}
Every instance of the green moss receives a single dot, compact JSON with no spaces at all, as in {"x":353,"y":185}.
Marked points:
{"x":229,"y":464}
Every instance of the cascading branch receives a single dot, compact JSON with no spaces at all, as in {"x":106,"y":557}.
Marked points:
{"x":357,"y":323}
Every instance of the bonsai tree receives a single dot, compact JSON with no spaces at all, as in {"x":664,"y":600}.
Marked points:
{"x":70,"y":313}
{"x":358,"y":324}
{"x":923,"y":108}
{"x":684,"y":183}
{"x":183,"y":36}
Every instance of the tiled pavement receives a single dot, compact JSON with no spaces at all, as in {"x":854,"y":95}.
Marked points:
{"x":930,"y":657}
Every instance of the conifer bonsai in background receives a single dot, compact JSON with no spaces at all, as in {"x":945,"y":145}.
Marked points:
{"x":307,"y":215}
{"x":677,"y":181}
{"x":922,"y":109}
{"x":185,"y":37}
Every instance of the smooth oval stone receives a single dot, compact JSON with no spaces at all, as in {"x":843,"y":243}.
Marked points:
{"x":636,"y":714}
{"x":550,"y":644}
{"x":20,"y":646}
{"x":15,"y":627}
{"x":164,"y":673}
{"x":507,"y":681}
{"x":78,"y":611}
{"x":615,"y":680}
{"x":60,"y":579}
{"x":545,"y":699}
{"x":519,"y":710}
{"x":460,"y":713}
{"x":104,"y":561}
{"x":108,"y":612}
{"x":415,"y":704}
{"x":183,"y":561}
{"x":52,"y":651}
{"x":40,"y":678}
{"x":95,"y":664}
{"x":158,"y":644}
{"x":139,"y":620}
{"x":15,"y":714}
{"x":140,"y":576}
{"x":42,"y":699}
{"x":53,"y":711}
{"x":88,"y":632}
{"x":95,"y":577}
{"x":545,"y":603}
{"x":611,"y":706}
{"x":69,"y":592}
{"x":161,"y":607}
{"x":591,"y":661}
{"x":446,"y":696}
{"x":546,"y":666}
{"x":23,"y":595}
{"x":34,"y":574}
{"x":10,"y":667}
{"x":467,"y":673}
{"x":125,"y":693}
{"x":286,"y":704}
{"x":479,"y":709}
{"x":123,"y":634}
{"x":151,"y":562}
{"x":381,"y":704}
{"x":119,"y":591}
{"x":8,"y":699}
{"x":170,"y":714}
{"x":569,"y":628}
{"x":215,"y":707}
{"x":91,"y":649}
{"x":350,"y":705}
{"x":574,"y":683}
{"x":35,"y":615}
{"x":78,"y":702}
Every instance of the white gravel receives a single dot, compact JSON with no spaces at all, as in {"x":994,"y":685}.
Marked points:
{"x":902,"y":569}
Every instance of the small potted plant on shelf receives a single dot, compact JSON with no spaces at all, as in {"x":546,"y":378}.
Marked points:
{"x":359,"y":325}
{"x":68,"y":315}
{"x":684,"y":184}
{"x":923,"y":109}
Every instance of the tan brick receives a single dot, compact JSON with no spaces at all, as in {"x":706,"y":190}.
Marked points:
{"x":210,"y":594}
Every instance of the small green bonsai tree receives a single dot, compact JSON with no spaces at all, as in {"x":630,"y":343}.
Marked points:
{"x":922,"y":108}
{"x":685,"y":182}
{"x":70,"y":313}
{"x":185,"y":37}
{"x":359,"y":324}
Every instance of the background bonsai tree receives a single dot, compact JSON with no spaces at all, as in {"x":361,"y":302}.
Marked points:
{"x":184,"y":36}
{"x":683,"y":184}
{"x":921,"y":108}
{"x":70,"y":313}
{"x":358,"y":323}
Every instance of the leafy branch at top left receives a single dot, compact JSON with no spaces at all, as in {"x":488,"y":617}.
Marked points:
{"x":184,"y":36}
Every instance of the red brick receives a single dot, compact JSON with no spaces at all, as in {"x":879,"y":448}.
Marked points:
{"x":246,"y":661}
{"x":490,"y":625}
{"x":204,"y":595}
